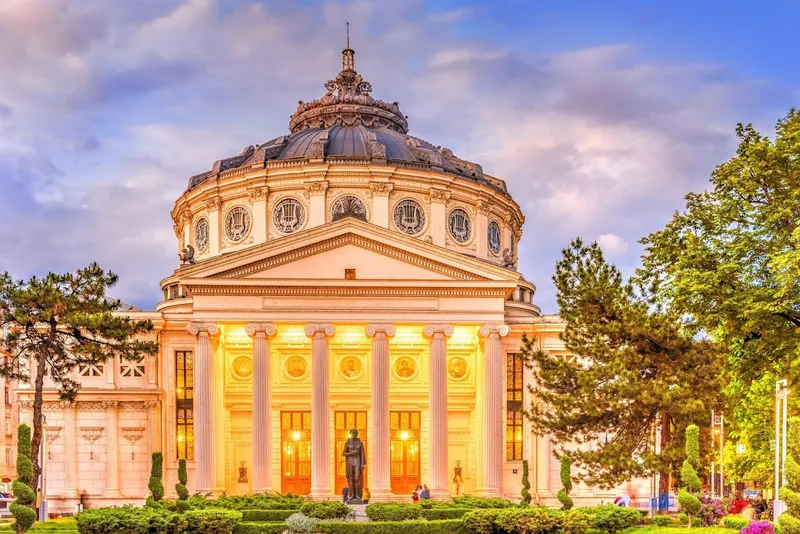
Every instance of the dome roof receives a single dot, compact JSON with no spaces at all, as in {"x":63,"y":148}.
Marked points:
{"x":348,"y":123}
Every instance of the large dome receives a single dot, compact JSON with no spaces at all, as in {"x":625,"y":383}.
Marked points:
{"x":347,"y":123}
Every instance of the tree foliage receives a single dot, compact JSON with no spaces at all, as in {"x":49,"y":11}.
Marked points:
{"x":729,"y":263}
{"x":689,"y":476}
{"x":635,"y":368}
{"x":22,"y":507}
{"x":59,"y":322}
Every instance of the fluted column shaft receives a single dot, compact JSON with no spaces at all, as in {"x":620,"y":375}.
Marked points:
{"x":112,"y":450}
{"x":493,"y":407}
{"x":71,"y":452}
{"x":203,"y":405}
{"x":437,"y":410}
{"x":379,"y":459}
{"x":320,"y":410}
{"x":262,"y":407}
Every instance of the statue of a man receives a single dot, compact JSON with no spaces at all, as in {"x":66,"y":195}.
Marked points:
{"x":355,"y":460}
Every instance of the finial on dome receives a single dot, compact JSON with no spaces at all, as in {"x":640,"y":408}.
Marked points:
{"x":348,"y":59}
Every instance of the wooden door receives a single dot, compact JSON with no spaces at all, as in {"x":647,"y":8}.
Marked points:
{"x":344,"y":423}
{"x":296,"y":452}
{"x":404,"y":452}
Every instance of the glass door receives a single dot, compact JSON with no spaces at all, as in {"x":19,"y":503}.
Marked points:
{"x":404,"y":452}
{"x":296,"y":452}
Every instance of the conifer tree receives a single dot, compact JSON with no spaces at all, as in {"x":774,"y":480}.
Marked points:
{"x":526,"y":484}
{"x":633,"y":369}
{"x":566,"y":481}
{"x":22,"y":508}
{"x":180,"y":488}
{"x":690,"y":504}
{"x":155,"y":485}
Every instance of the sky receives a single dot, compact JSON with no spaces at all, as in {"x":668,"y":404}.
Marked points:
{"x":600,"y":116}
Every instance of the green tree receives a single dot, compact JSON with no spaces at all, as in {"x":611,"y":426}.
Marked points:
{"x":729,"y":264}
{"x":689,"y":469}
{"x":57,"y":323}
{"x":789,"y":521}
{"x":155,"y":485}
{"x":22,"y":509}
{"x":633,"y":369}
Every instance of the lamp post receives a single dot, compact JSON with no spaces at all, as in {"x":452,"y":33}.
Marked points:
{"x":781,"y":395}
{"x":718,"y":420}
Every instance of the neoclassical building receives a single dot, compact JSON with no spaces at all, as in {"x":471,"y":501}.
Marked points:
{"x":343,"y":275}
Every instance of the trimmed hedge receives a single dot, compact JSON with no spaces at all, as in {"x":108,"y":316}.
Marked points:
{"x":387,"y":511}
{"x":267,"y":515}
{"x":259,"y":527}
{"x":326,"y":510}
{"x":258,"y":501}
{"x":610,"y":519}
{"x":434,"y":514}
{"x":148,"y":520}
{"x":392,"y":527}
{"x":734,"y":522}
{"x":662,"y":520}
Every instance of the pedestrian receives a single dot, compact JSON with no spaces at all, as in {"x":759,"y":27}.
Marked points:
{"x":415,"y":495}
{"x":425,"y":493}
{"x":365,"y":496}
{"x":345,"y":492}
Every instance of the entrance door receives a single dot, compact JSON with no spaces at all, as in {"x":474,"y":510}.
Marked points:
{"x":344,"y":423}
{"x":404,"y":452}
{"x":296,"y":452}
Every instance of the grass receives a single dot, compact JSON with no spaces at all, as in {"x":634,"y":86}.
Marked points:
{"x":62,"y":526}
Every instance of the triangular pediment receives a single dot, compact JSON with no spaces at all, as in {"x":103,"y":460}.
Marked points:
{"x":325,"y":252}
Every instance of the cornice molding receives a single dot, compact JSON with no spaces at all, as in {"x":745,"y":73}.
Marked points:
{"x":346,"y":291}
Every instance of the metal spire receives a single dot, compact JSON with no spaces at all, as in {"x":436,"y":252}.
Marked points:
{"x":348,"y":61}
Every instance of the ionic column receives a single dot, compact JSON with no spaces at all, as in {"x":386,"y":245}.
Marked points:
{"x":112,"y":448}
{"x":379,"y":467}
{"x":493,"y":407}
{"x":262,"y":406}
{"x":437,"y":410}
{"x":203,"y":405}
{"x":320,"y":410}
{"x":71,"y":452}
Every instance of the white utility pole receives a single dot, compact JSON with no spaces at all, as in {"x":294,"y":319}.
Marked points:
{"x":781,"y":395}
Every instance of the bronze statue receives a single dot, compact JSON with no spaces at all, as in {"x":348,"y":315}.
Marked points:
{"x":355,"y":461}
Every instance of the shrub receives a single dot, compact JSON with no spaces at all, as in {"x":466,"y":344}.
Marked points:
{"x":661,"y":520}
{"x":564,"y":499}
{"x":690,"y":505}
{"x":155,"y":485}
{"x":212,"y":521}
{"x":267,"y":515}
{"x":475,"y":502}
{"x":326,"y":510}
{"x":566,"y":473}
{"x":611,"y":519}
{"x":256,"y":501}
{"x":535,"y":520}
{"x":735,"y":522}
{"x":526,"y":484}
{"x":24,"y":514}
{"x":574,"y":521}
{"x":712,"y":511}
{"x":444,"y":513}
{"x":689,"y":469}
{"x":300,"y":523}
{"x":391,"y":527}
{"x":259,"y":527}
{"x":381,"y":511}
{"x":481,"y":521}
{"x":180,"y":487}
{"x":182,"y":506}
{"x":759,"y":527}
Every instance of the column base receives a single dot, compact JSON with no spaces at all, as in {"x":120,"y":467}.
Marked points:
{"x":321,"y":495}
{"x":440,"y":494}
{"x":381,"y":495}
{"x":69,"y":494}
{"x":112,"y":493}
{"x":487,"y":492}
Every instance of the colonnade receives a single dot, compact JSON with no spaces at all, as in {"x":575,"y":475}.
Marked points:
{"x":379,"y":457}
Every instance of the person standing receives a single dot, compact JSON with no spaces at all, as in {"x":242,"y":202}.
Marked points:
{"x":425,"y":493}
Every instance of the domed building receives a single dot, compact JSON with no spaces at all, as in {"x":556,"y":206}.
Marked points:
{"x":344,"y":275}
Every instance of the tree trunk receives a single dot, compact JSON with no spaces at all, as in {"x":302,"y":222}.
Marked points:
{"x":36,"y":440}
{"x":664,"y":475}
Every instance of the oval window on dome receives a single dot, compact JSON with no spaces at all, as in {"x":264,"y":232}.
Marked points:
{"x":289,"y":215}
{"x":237,"y":224}
{"x":348,"y":206}
{"x":494,"y":237}
{"x":409,"y":217}
{"x":201,"y":235}
{"x":459,"y":225}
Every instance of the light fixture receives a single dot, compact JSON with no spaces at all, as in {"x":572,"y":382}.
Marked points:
{"x":404,"y":435}
{"x":296,"y":435}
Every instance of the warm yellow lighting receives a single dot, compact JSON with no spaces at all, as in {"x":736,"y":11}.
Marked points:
{"x":296,"y":435}
{"x":179,"y":390}
{"x":404,"y":434}
{"x":180,"y":438}
{"x":519,"y":436}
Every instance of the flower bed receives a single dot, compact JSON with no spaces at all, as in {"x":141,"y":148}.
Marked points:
{"x":392,"y":527}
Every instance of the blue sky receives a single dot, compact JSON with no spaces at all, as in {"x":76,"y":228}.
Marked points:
{"x":601,"y":116}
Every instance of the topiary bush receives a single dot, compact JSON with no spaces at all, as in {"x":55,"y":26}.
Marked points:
{"x":386,"y":511}
{"x":526,"y":485}
{"x":566,"y":479}
{"x":661,"y":520}
{"x":735,"y":522}
{"x":690,"y":505}
{"x":326,"y":510}
{"x":180,"y":487}
{"x":212,"y":521}
{"x":155,"y":485}
{"x":22,"y":508}
{"x":535,"y":520}
{"x":481,"y":521}
{"x":610,"y":519}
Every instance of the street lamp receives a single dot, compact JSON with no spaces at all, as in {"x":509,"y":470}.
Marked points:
{"x":781,"y":395}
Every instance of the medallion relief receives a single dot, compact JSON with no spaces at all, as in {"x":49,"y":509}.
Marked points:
{"x":457,"y":368}
{"x":296,"y":368}
{"x":351,"y":368}
{"x":405,"y":368}
{"x":242,"y":367}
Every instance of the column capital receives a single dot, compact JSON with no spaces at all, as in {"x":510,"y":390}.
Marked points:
{"x":313,"y":329}
{"x":432,"y":329}
{"x":254,"y":328}
{"x":376,"y":328}
{"x":197,"y":327}
{"x":491,"y":329}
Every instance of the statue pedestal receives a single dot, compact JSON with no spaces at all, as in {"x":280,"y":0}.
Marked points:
{"x":354,"y":501}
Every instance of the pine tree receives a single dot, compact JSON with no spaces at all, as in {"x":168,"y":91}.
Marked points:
{"x":22,"y":508}
{"x":526,"y":484}
{"x":789,"y":521}
{"x":634,"y":369}
{"x":566,"y":480}
{"x":690,"y":504}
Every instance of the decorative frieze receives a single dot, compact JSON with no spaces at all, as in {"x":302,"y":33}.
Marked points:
{"x":90,"y":406}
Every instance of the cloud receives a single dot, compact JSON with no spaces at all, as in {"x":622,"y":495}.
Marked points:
{"x":110,"y":109}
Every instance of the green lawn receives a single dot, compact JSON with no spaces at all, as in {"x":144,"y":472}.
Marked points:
{"x":62,"y":526}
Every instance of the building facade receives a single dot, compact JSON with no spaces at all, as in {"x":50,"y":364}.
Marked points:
{"x":345,"y":275}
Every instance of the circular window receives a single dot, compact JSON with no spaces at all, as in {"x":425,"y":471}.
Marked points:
{"x":494,"y":237}
{"x":348,"y":206}
{"x":459,"y":225}
{"x":201,"y":235}
{"x":289,"y":215}
{"x":237,"y":224}
{"x":409,"y":217}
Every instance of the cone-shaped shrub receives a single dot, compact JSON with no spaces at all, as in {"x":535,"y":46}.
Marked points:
{"x":526,"y":485}
{"x":691,"y":481}
{"x":21,"y":509}
{"x":566,"y":479}
{"x":156,"y":486}
{"x":180,"y":487}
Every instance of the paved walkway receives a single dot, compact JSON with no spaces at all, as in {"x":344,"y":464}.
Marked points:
{"x":361,"y":513}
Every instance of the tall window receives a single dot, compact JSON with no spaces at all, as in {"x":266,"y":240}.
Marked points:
{"x":514,"y":391}
{"x":184,"y":403}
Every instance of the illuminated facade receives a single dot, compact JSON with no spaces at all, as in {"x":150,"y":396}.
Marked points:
{"x":344,"y":275}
